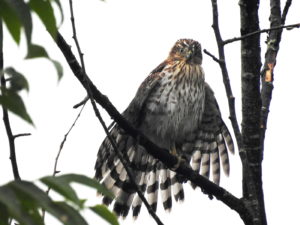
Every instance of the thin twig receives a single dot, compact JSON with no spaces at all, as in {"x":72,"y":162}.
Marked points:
{"x":55,"y":171}
{"x":212,"y":56}
{"x":81,"y":103}
{"x":10,"y":136}
{"x":21,"y":135}
{"x":64,"y":140}
{"x":75,"y":36}
{"x":97,"y":113}
{"x":288,"y":27}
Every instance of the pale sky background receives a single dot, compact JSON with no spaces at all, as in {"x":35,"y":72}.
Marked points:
{"x":123,"y":40}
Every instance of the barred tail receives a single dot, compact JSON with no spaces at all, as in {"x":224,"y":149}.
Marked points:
{"x":149,"y":174}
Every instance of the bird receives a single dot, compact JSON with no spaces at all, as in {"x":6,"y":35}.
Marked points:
{"x":175,"y":109}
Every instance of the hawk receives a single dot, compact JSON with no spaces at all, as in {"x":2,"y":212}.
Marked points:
{"x":177,"y":110}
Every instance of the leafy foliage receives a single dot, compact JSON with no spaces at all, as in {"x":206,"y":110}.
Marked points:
{"x":12,"y":101}
{"x":23,"y":201}
{"x":16,"y":14}
{"x":45,"y":12}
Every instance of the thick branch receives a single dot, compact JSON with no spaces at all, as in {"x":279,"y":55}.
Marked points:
{"x":10,"y":136}
{"x":162,"y":154}
{"x":251,"y":105}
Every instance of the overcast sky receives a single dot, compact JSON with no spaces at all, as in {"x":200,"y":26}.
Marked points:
{"x":123,"y":40}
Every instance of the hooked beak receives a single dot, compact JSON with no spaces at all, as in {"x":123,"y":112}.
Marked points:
{"x":190,"y":53}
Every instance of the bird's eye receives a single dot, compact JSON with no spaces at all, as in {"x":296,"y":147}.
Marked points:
{"x":181,"y":50}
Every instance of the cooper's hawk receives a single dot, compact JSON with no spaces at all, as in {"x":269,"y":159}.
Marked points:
{"x":177,"y":110}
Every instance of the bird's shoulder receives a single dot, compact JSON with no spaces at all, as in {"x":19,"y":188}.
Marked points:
{"x":149,"y":85}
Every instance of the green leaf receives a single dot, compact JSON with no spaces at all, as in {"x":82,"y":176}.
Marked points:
{"x":13,"y":205}
{"x":61,"y":11}
{"x":72,"y":217}
{"x":61,"y":185}
{"x":11,"y":20}
{"x":62,"y":211}
{"x":104,"y":212}
{"x":17,"y":80}
{"x":58,"y":67}
{"x":23,"y":201}
{"x":14,"y":103}
{"x":22,"y":12}
{"x":44,"y":10}
{"x":35,"y":51}
{"x":3,"y":215}
{"x":87,"y":181}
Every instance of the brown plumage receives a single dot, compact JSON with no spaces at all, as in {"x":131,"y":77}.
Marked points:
{"x":176,"y":109}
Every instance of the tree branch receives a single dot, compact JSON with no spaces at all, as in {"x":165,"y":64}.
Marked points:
{"x":288,"y":27}
{"x":212,"y":56}
{"x":285,"y":11}
{"x":21,"y":135}
{"x":270,"y":61}
{"x":161,"y":154}
{"x":55,"y":171}
{"x":222,"y":63}
{"x":251,"y":106}
{"x":10,"y":136}
{"x":248,"y":180}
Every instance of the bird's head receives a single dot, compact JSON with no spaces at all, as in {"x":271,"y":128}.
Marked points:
{"x":187,"y":50}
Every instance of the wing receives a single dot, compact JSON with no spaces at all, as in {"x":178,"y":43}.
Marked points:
{"x":134,"y":112}
{"x":148,"y":172}
{"x":213,"y":140}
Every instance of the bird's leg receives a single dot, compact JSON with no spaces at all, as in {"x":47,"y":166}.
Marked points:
{"x":174,"y":153}
{"x":173,"y":150}
{"x":180,"y":160}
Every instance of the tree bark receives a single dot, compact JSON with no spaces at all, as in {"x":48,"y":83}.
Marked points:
{"x":251,"y":108}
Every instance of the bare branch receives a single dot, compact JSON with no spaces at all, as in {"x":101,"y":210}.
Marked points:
{"x":75,"y":36}
{"x":288,"y":27}
{"x":251,"y":106}
{"x":81,"y":102}
{"x":10,"y":136}
{"x":270,"y":62}
{"x":222,"y":62}
{"x":285,"y":11}
{"x":21,"y":135}
{"x":55,"y":171}
{"x":212,"y":56}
